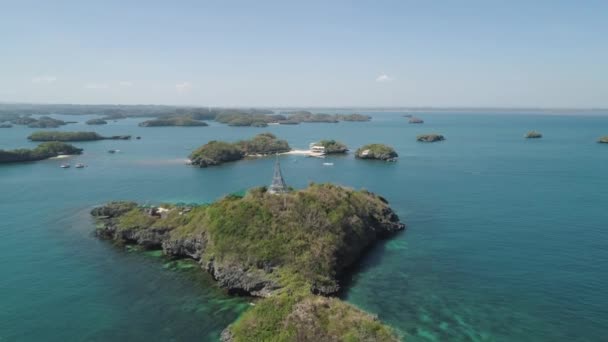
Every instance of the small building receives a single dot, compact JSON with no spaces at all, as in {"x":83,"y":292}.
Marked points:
{"x":316,"y":148}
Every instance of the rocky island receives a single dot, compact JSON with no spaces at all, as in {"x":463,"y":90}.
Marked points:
{"x":430,"y":137}
{"x":603,"y":140}
{"x":376,"y":151}
{"x":415,"y":120}
{"x":73,"y":136}
{"x":43,"y":151}
{"x":533,"y":135}
{"x":218,"y":152}
{"x":332,"y":146}
{"x":5,"y":125}
{"x":290,"y":248}
{"x":173,"y":121}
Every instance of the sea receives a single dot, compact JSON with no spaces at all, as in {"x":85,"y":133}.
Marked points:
{"x":506,"y":240}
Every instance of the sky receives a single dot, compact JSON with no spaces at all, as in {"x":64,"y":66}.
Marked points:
{"x":310,"y":53}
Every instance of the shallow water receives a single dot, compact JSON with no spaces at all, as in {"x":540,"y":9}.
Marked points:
{"x":506,"y":237}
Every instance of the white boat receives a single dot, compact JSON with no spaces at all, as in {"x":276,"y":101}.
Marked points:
{"x":79,"y":166}
{"x":328,"y":164}
{"x":65,"y":166}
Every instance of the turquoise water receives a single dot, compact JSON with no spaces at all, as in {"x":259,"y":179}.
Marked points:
{"x":506,"y":237}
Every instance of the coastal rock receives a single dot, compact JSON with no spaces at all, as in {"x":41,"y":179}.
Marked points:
{"x":227,"y":335}
{"x":415,"y":120}
{"x":242,"y":280}
{"x":185,"y":247}
{"x":603,"y":140}
{"x":430,"y":137}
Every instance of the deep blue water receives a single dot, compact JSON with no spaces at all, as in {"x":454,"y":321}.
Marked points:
{"x":506,"y":238}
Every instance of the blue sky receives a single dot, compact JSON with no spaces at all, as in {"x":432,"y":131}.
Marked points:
{"x":306,"y":53}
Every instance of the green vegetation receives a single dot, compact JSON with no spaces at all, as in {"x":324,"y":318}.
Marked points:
{"x":533,"y":135}
{"x":376,"y":151}
{"x":42,"y":122}
{"x":332,"y":146}
{"x":430,"y":137}
{"x":603,"y":140}
{"x":96,"y":122}
{"x":173,"y":121}
{"x":296,"y":244}
{"x":217,"y":152}
{"x":42,"y":151}
{"x":72,"y":136}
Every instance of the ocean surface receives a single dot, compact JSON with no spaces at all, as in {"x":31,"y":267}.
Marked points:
{"x":507,"y":238}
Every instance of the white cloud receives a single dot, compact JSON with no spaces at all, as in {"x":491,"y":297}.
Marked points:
{"x":383,"y":78}
{"x":96,"y":86}
{"x":125,"y":83}
{"x":183,"y":87}
{"x":44,"y":79}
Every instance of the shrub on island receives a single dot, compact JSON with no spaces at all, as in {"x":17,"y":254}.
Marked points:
{"x":430,"y":137}
{"x":533,"y":135}
{"x":353,"y":117}
{"x":287,"y":248}
{"x":43,"y":151}
{"x":218,"y":152}
{"x":376,"y":151}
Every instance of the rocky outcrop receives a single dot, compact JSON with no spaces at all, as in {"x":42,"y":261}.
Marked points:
{"x":603,"y":140}
{"x":414,"y":120}
{"x":430,"y":137}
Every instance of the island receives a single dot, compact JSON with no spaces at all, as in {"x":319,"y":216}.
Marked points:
{"x":376,"y":151}
{"x":43,"y":151}
{"x":41,"y":122}
{"x":603,"y":140}
{"x":533,"y":135}
{"x":219,"y":152}
{"x":4,"y":125}
{"x":72,"y":136}
{"x":240,"y":118}
{"x":96,"y":122}
{"x":331,"y":146}
{"x":353,"y":117}
{"x":415,"y":120}
{"x":290,"y":249}
{"x":430,"y":137}
{"x":173,"y":121}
